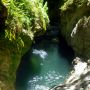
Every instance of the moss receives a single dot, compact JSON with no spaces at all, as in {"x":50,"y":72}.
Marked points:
{"x":71,"y":12}
{"x":25,"y":20}
{"x":10,"y":57}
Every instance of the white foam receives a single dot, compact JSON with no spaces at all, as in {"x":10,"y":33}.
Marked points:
{"x":41,"y":53}
{"x":41,"y":87}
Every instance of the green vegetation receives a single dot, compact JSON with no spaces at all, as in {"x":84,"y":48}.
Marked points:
{"x":27,"y":16}
{"x":20,"y":22}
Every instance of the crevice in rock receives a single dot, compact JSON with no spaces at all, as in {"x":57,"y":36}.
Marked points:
{"x":55,"y":27}
{"x":53,"y":11}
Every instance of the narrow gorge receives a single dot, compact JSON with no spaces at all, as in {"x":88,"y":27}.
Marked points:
{"x":44,"y":45}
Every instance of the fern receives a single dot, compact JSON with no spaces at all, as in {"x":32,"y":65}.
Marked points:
{"x":28,"y":15}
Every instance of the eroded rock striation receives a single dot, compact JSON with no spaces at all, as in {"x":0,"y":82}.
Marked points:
{"x":79,"y":78}
{"x":80,"y":37}
{"x":10,"y":58}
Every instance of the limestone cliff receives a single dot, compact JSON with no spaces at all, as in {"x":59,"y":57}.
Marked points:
{"x":9,"y":60}
{"x":75,"y":19}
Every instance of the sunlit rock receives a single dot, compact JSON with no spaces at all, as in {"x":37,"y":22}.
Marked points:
{"x":80,"y":37}
{"x":75,"y":26}
{"x":79,"y":78}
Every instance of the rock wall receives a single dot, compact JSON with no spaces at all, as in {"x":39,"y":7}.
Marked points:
{"x":10,"y":58}
{"x":17,"y":34}
{"x":75,"y":20}
{"x":80,"y":37}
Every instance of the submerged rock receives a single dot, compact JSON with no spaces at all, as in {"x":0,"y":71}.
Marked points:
{"x":9,"y":61}
{"x":79,"y":78}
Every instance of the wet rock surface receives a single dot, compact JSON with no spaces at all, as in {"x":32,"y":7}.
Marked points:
{"x":79,"y":78}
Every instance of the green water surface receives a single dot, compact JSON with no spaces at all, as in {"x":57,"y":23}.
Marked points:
{"x":42,"y":73}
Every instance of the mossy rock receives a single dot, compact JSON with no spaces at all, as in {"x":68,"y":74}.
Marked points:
{"x":10,"y":57}
{"x":72,"y":11}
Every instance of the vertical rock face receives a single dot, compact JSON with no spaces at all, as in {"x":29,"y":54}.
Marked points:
{"x":75,"y":25}
{"x":10,"y":55}
{"x":80,"y":37}
{"x":10,"y":58}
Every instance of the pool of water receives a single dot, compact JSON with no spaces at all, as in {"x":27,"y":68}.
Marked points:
{"x":42,"y":67}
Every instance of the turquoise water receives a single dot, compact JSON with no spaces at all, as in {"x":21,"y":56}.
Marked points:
{"x":43,"y":67}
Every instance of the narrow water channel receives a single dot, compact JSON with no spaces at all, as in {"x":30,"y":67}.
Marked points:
{"x":43,"y":66}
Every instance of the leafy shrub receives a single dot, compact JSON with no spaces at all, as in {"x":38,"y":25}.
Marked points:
{"x":25,"y":15}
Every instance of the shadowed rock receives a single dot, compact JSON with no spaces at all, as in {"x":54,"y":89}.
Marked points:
{"x":3,"y":16}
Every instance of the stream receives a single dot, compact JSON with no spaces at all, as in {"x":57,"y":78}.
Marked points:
{"x":44,"y":66}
